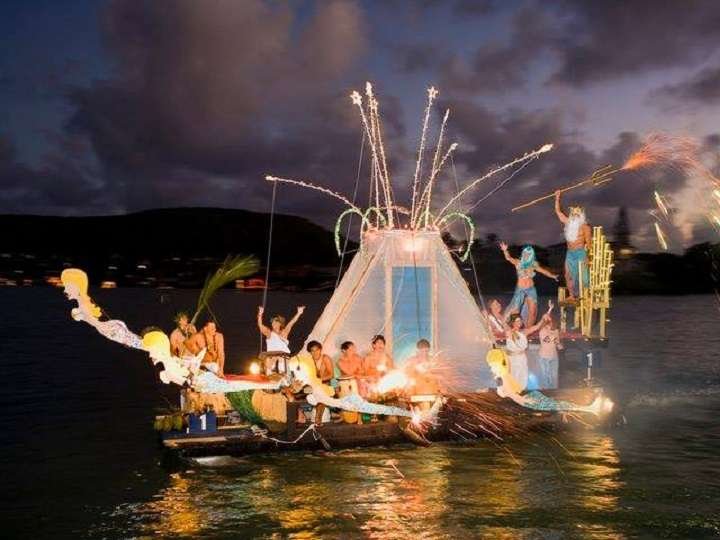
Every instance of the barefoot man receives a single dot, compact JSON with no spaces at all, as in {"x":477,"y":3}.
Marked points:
{"x":578,"y":235}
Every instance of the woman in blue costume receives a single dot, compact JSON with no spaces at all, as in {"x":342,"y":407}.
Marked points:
{"x":508,"y":387}
{"x":525,"y":299}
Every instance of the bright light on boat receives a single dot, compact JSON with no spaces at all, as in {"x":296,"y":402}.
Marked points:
{"x":414,"y":245}
{"x":395,"y":380}
{"x":255,"y":368}
{"x":607,"y":405}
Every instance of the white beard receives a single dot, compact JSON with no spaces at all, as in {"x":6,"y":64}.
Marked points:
{"x":573,"y":226}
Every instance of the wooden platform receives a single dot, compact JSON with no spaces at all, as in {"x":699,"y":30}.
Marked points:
{"x":464,"y":417}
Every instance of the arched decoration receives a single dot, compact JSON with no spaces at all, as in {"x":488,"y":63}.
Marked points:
{"x":378,"y":213}
{"x":363,"y":221}
{"x":471,"y":233}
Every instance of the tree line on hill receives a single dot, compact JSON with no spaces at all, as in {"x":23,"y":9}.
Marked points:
{"x":178,"y":247}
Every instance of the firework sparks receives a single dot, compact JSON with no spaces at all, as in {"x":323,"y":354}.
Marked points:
{"x":661,"y":237}
{"x":432,"y":94}
{"x":310,"y":185}
{"x":530,"y":155}
{"x":678,"y":153}
{"x":426,"y":198}
{"x":662,"y":205}
{"x":371,"y":134}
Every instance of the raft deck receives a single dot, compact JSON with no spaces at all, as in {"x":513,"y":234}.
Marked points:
{"x":464,"y":417}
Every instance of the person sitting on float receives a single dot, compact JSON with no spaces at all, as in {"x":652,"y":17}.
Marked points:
{"x":213,"y":341}
{"x":184,"y":329}
{"x":350,"y":362}
{"x":509,"y":387}
{"x":377,"y":362}
{"x":323,"y":363}
{"x":277,"y":336}
{"x":525,"y":299}
{"x":516,"y":344}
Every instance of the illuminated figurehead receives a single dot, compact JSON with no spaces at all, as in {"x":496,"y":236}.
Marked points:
{"x":157,"y":344}
{"x":498,"y":362}
{"x":75,"y":282}
{"x":302,"y":368}
{"x":576,"y":219}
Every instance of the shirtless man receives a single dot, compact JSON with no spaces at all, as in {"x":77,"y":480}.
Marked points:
{"x":378,"y":362}
{"x":350,"y":362}
{"x":578,"y":235}
{"x":212,"y":340}
{"x":182,"y":332}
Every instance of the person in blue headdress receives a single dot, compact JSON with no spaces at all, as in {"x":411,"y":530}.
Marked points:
{"x":525,"y":299}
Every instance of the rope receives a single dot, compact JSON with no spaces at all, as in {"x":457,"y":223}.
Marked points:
{"x":481,"y":299}
{"x":355,"y":191}
{"x":262,"y":433}
{"x":267,"y":261}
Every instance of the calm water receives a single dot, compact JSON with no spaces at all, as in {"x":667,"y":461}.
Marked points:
{"x":80,"y":458}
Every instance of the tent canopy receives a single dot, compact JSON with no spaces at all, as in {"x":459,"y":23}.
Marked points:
{"x":404,"y":284}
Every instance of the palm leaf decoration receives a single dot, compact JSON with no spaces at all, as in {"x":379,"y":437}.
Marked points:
{"x":234,"y":267}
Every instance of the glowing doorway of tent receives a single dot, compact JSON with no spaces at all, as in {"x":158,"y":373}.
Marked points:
{"x":412,"y":309}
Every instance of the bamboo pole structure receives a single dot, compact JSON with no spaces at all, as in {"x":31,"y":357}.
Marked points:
{"x":596,"y":295}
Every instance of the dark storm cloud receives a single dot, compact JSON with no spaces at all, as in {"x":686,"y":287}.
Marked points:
{"x":608,"y":39}
{"x":703,"y":88}
{"x":498,"y":66}
{"x":582,"y":43}
{"x":209,"y":97}
{"x":475,"y":7}
{"x":62,"y":184}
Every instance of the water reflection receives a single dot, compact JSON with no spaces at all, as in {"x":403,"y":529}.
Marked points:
{"x":408,"y":496}
{"x":174,"y":512}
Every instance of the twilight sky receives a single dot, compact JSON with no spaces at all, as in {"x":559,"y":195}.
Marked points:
{"x":110,"y":107}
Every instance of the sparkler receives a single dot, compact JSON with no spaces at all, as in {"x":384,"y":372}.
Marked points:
{"x":427,"y":192}
{"x":432,"y":94}
{"x":310,"y":185}
{"x":357,"y":100}
{"x":530,"y":155}
{"x":426,"y":199}
{"x":375,"y":113}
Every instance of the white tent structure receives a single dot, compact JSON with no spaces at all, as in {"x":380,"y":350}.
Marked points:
{"x":403,"y":282}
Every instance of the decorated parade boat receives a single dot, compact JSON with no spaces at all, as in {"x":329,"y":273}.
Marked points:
{"x":404,"y":283}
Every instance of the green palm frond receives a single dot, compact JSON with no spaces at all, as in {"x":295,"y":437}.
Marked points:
{"x":234,"y":267}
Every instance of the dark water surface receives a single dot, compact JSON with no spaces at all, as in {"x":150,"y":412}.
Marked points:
{"x":80,"y":458}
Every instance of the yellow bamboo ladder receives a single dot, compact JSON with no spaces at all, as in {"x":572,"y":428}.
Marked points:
{"x":596,"y":296}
